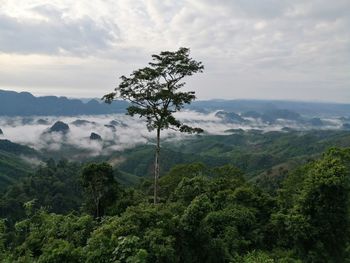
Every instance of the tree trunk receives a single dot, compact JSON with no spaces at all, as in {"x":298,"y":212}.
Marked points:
{"x":156,"y":168}
{"x":98,"y":208}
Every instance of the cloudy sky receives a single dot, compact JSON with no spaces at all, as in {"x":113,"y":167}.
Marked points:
{"x":265,"y":49}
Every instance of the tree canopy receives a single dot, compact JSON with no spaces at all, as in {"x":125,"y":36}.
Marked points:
{"x":210,"y":215}
{"x":154,"y":93}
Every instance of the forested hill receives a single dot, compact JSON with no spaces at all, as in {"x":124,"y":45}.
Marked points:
{"x":16,"y":161}
{"x":256,"y":153}
{"x":260,"y":155}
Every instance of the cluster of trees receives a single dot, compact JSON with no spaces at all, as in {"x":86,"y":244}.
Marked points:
{"x":203,"y":215}
{"x":12,"y":166}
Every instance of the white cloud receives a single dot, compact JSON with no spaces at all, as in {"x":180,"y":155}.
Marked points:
{"x":251,"y":48}
{"x":130,"y":133}
{"x":54,"y":34}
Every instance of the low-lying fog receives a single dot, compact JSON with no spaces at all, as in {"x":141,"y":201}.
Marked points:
{"x":119,"y":131}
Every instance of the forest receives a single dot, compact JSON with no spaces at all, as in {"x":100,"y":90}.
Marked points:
{"x":191,"y":131}
{"x":250,"y":196}
{"x":72,"y":212}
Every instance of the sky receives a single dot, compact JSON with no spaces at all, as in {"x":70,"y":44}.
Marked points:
{"x":251,"y":49}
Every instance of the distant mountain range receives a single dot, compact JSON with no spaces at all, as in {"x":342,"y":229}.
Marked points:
{"x":25,"y":104}
{"x":266,"y":106}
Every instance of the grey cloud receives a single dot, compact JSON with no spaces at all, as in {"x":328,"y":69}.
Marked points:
{"x":58,"y":35}
{"x":261,"y":9}
{"x":250,"y":48}
{"x":320,"y":9}
{"x":272,"y":9}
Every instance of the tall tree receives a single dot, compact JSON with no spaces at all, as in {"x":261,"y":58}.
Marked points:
{"x":99,"y":185}
{"x":154,"y":93}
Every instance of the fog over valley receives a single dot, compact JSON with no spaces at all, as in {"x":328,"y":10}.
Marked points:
{"x":116,"y":132}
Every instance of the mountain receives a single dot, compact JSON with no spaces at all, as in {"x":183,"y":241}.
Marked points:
{"x":316,"y":122}
{"x":229,"y":117}
{"x":42,"y":122}
{"x":272,"y":115}
{"x":95,"y":137}
{"x":25,"y":104}
{"x":16,"y":161}
{"x":256,"y":107}
{"x":15,"y":148}
{"x":59,"y":126}
{"x":79,"y":122}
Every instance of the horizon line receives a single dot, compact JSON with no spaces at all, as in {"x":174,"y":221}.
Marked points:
{"x":196,"y":100}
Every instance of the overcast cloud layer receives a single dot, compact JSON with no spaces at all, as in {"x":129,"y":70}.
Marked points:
{"x":270,"y":49}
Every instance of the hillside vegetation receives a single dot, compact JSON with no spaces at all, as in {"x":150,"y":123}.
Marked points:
{"x":239,"y":197}
{"x":206,"y":214}
{"x":14,"y":162}
{"x":254,"y":152}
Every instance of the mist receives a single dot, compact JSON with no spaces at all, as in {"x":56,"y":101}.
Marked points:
{"x":120,"y":131}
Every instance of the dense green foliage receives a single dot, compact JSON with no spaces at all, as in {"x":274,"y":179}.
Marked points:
{"x":12,"y":162}
{"x":205,"y":214}
{"x":264,"y":157}
{"x":99,"y":186}
{"x":261,"y":156}
{"x":54,"y":186}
